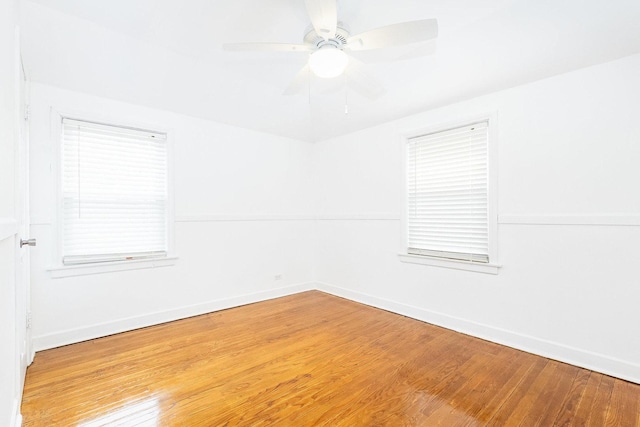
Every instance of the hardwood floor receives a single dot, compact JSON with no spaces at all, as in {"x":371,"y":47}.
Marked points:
{"x":313,"y":359}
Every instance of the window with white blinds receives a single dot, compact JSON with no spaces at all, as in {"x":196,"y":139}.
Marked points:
{"x":114,"y":193}
{"x":447,"y":183}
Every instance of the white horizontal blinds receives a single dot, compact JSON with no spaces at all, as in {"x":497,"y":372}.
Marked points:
{"x":447,"y":194}
{"x":114,"y":186}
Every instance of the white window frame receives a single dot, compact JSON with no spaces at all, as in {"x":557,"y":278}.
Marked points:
{"x":493,"y":265}
{"x":58,"y":269}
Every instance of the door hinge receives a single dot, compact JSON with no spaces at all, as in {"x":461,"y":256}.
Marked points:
{"x":29,"y":321}
{"x":27,"y":112}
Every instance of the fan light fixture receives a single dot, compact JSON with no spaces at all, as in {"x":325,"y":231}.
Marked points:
{"x":328,"y":62}
{"x":329,"y":42}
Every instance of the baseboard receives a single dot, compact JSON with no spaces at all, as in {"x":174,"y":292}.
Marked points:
{"x":552,"y":350}
{"x":16,"y":416}
{"x":71,"y":336}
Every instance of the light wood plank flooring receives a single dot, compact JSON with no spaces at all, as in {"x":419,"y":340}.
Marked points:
{"x":313,"y":359}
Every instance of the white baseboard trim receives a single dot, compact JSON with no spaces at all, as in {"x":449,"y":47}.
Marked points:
{"x":553,"y":350}
{"x":16,"y":416}
{"x":596,"y":362}
{"x":44,"y":342}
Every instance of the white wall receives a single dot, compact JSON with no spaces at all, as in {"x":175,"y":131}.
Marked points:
{"x":9,"y":358}
{"x":243,"y":207}
{"x":569,"y":212}
{"x":569,"y":221}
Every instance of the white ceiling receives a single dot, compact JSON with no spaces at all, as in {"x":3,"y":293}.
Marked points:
{"x":167,"y":54}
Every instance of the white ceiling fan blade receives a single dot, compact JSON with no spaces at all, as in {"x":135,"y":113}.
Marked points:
{"x":394,"y":35}
{"x":324,"y":17}
{"x":265,"y":47}
{"x":299,"y":82}
{"x":361,"y":81}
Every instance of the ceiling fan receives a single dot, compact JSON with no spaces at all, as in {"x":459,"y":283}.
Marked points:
{"x":328,"y":42}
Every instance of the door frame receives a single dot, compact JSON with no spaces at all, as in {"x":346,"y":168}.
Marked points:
{"x":24,"y":347}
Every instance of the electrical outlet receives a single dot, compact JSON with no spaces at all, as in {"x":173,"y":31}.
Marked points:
{"x":278,"y":276}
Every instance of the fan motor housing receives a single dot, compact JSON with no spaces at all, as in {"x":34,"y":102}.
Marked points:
{"x":312,"y":38}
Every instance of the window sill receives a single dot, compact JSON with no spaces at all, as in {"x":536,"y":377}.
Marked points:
{"x":449,"y":263}
{"x":107,"y":267}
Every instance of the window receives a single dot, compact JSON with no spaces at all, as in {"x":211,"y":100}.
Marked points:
{"x":449,"y":214}
{"x":114,"y":193}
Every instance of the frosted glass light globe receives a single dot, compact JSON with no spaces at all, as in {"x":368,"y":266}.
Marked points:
{"x":328,"y":62}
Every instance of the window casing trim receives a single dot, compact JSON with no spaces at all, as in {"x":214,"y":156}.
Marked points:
{"x":58,"y":268}
{"x":492,"y":195}
{"x":107,"y":267}
{"x":477,"y":267}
